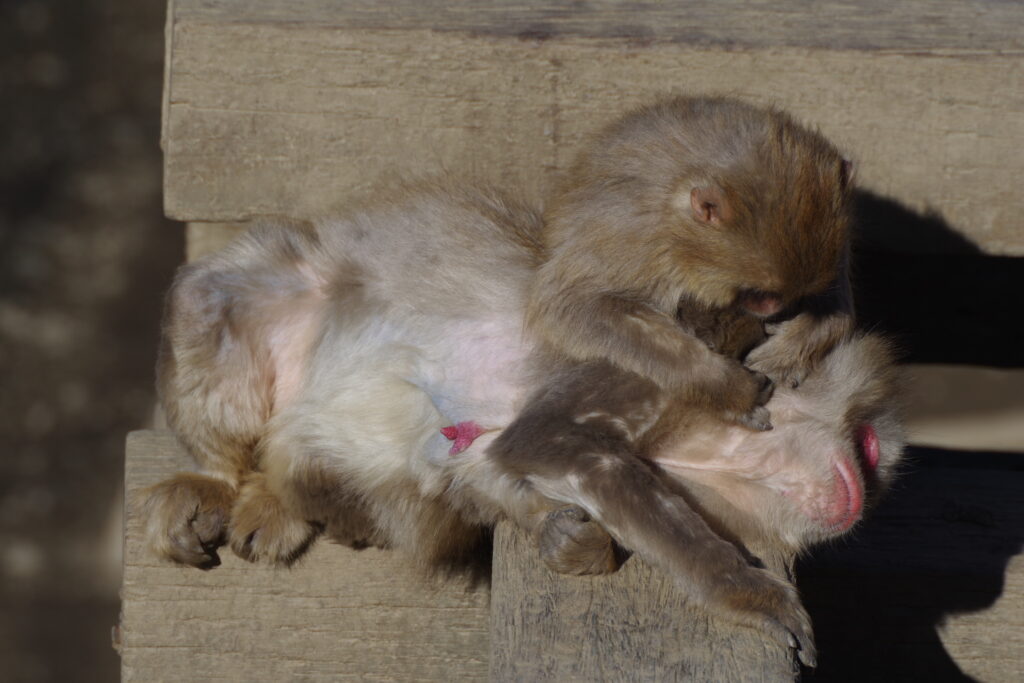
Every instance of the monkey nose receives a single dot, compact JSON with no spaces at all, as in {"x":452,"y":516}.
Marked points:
{"x":759,"y":303}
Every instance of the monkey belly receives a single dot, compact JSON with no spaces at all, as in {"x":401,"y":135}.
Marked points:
{"x":473,"y":370}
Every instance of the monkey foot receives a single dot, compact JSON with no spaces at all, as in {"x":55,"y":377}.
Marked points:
{"x":463,"y":434}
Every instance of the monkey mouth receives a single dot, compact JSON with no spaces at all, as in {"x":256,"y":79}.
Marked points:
{"x":847,"y":499}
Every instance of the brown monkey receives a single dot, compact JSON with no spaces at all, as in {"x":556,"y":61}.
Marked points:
{"x":354,"y":375}
{"x":729,"y":205}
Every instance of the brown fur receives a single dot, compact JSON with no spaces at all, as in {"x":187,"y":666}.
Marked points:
{"x":705,"y":198}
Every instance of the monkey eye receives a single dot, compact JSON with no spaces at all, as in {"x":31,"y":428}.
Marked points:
{"x":867,"y":442}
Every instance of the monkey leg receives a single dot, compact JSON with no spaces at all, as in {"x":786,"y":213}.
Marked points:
{"x":187,"y":517}
{"x":588,"y":466}
{"x":628,"y":499}
{"x":264,"y":528}
{"x":570,"y":542}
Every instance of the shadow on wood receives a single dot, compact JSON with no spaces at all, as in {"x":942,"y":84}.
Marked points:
{"x":935,"y":291}
{"x":939,"y":547}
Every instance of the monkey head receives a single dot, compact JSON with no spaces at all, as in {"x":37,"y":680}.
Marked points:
{"x":835,"y":448}
{"x":725,"y":202}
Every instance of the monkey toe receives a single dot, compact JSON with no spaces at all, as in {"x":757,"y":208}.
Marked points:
{"x":186,"y":518}
{"x":273,"y":540}
{"x":570,"y":542}
{"x":195,"y":541}
{"x":262,"y":529}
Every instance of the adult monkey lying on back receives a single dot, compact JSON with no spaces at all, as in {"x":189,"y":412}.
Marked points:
{"x":321,"y":373}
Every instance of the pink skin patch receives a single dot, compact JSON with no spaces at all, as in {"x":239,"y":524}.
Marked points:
{"x":867,"y":439}
{"x":463,"y":434}
{"x":847,"y":499}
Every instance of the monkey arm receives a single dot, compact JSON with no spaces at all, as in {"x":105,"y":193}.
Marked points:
{"x":636,"y":337}
{"x":576,"y":443}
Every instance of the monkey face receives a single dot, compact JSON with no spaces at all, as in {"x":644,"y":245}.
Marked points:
{"x":835,"y":447}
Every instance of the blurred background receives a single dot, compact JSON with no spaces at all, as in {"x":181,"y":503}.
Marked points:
{"x":85,"y":255}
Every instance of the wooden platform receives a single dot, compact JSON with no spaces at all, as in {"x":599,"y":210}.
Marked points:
{"x":275,"y":107}
{"x":930,"y":589}
{"x":295,"y":108}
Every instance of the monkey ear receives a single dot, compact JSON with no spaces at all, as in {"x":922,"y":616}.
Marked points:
{"x":709,"y":205}
{"x":846,"y":173}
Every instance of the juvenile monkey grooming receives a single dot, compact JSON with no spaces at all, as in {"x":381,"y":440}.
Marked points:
{"x":728,"y":205}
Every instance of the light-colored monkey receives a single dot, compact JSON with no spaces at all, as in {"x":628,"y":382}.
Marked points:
{"x":372,"y":377}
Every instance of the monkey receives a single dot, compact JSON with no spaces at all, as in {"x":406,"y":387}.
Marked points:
{"x":371,"y":377}
{"x":727,"y":204}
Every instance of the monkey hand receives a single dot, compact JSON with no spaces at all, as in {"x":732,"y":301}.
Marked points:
{"x":796,"y":346}
{"x":765,"y":601}
{"x":745,"y":393}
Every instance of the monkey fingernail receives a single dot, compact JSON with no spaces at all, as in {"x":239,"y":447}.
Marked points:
{"x":807,"y":658}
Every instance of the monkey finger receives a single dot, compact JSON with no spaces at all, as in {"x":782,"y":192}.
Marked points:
{"x":262,"y":528}
{"x":186,"y":517}
{"x":765,"y":388}
{"x":794,"y":630}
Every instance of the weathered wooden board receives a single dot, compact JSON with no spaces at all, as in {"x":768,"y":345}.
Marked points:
{"x":966,"y":407}
{"x":634,"y":625}
{"x":338,"y":615}
{"x":282,"y":108}
{"x":867,"y":24}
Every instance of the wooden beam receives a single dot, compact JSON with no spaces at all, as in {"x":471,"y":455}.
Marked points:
{"x":906,"y":26}
{"x":297,"y":108}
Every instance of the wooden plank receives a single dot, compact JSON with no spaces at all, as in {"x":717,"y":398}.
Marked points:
{"x":634,"y":625}
{"x":338,"y":615}
{"x":910,"y":25}
{"x":297,"y":118}
{"x":965,"y":407}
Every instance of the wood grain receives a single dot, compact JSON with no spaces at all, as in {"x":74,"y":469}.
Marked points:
{"x":634,"y":625}
{"x":908,"y":25}
{"x":269,"y":116}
